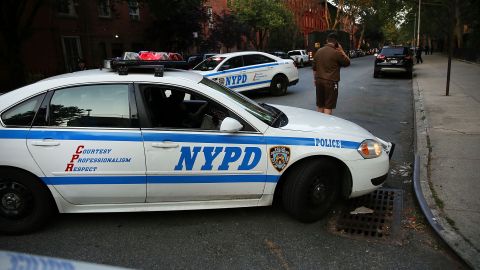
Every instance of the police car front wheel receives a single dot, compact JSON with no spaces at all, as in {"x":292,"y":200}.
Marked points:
{"x":25,"y":204}
{"x":311,"y":189}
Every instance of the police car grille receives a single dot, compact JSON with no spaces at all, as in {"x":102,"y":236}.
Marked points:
{"x":383,"y":222}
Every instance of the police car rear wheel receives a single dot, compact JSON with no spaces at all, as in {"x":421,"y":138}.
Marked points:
{"x":25,"y":203}
{"x":279,"y":84}
{"x":311,"y":190}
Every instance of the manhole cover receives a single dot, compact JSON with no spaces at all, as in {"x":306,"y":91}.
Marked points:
{"x":384,"y":221}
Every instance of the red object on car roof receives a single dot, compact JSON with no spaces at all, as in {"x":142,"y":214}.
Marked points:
{"x":153,"y":55}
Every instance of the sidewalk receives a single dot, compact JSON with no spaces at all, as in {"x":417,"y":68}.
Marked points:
{"x":447,"y":161}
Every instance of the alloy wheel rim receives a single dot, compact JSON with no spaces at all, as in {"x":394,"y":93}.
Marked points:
{"x":318,"y":193}
{"x":15,"y":200}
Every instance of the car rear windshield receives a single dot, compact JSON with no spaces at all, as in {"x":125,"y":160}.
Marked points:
{"x":393,"y":51}
{"x":209,"y":63}
{"x":294,"y":53}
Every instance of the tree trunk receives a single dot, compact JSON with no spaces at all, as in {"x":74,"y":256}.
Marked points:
{"x":339,"y":10}
{"x":360,"y":40}
{"x":327,"y":15}
{"x":458,"y":25}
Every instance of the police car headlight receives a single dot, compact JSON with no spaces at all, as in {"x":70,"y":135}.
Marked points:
{"x":370,"y":149}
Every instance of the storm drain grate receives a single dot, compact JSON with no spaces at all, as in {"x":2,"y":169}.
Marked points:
{"x":383,"y":222}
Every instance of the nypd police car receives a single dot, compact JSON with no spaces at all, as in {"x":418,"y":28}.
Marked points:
{"x":123,"y":140}
{"x":243,"y":71}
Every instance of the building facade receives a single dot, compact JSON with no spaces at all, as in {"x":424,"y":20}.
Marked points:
{"x":65,"y":32}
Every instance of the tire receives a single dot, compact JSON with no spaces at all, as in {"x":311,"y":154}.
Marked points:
{"x":376,"y":73}
{"x":278,"y":86}
{"x":301,"y":63}
{"x":25,"y":203}
{"x":311,"y":189}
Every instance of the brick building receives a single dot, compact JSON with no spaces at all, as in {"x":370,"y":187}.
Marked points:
{"x":66,"y":30}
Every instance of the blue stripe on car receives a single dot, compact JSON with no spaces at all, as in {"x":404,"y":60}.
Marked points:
{"x":164,"y":179}
{"x":249,"y":84}
{"x":240,"y":69}
{"x":85,"y":135}
{"x":163,"y":136}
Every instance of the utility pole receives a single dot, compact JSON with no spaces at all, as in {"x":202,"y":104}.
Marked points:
{"x":414,"y":34}
{"x":450,"y":8}
{"x":418,"y":29}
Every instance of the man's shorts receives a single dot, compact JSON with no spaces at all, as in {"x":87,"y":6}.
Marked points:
{"x":327,"y":93}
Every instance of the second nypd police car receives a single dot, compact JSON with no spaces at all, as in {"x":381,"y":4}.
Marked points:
{"x":102,"y":141}
{"x":241,"y":71}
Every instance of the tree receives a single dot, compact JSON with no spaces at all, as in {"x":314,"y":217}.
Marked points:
{"x":261,"y":16}
{"x":175,"y":22}
{"x":228,"y":30}
{"x":16,"y":28}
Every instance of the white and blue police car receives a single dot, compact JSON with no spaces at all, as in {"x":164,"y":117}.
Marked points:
{"x":124,"y":140}
{"x":242,"y":71}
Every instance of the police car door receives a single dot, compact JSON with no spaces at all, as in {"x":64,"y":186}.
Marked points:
{"x":259,"y":70}
{"x":87,"y":142}
{"x":189,"y":159}
{"x":232,"y":74}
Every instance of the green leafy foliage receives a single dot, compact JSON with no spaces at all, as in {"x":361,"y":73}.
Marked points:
{"x":261,"y":17}
{"x":175,"y":22}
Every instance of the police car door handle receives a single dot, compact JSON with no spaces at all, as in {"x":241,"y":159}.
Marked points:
{"x":166,"y":144}
{"x":46,"y":143}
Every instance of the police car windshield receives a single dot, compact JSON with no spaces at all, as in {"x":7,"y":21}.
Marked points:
{"x":209,"y":63}
{"x":266,"y":116}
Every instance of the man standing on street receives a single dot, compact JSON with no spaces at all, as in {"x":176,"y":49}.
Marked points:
{"x":326,"y":72}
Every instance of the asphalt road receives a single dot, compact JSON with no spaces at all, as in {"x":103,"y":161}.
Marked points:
{"x":264,"y":238}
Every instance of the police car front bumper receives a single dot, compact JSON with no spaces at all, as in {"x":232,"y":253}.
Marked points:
{"x":368,"y":174}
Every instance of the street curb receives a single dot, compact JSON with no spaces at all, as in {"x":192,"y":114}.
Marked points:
{"x":423,"y":191}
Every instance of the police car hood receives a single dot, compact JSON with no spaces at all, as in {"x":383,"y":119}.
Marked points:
{"x":312,"y":121}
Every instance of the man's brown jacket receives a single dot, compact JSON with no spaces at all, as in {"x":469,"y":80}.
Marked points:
{"x":327,"y":62}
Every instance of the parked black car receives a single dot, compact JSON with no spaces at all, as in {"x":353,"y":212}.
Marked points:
{"x":394,"y":59}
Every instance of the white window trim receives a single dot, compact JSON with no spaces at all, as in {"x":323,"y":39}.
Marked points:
{"x":100,"y":9}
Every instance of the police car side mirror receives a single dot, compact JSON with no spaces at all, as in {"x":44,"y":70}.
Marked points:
{"x":230,"y":125}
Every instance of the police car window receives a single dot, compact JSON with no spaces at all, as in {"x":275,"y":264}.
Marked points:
{"x":23,"y":113}
{"x":256,"y":59}
{"x":234,"y":62}
{"x":176,"y":108}
{"x":265,"y":115}
{"x":91,"y":106}
{"x":209,"y":64}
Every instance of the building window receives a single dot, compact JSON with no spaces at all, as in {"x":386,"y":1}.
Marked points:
{"x":210,"y":17}
{"x":133,"y":10}
{"x":72,"y":52}
{"x":67,"y":7}
{"x":104,"y":8}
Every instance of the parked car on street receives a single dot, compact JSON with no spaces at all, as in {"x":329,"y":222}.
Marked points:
{"x":242,"y":71}
{"x":394,"y":59}
{"x":139,"y":136}
{"x":300,"y":57}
